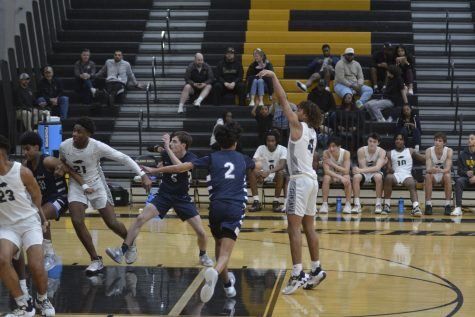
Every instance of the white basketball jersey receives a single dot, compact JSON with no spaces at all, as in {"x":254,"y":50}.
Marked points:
{"x":86,"y":162}
{"x":15,"y":201}
{"x":371,"y":159}
{"x":436,"y":161}
{"x":339,"y":161}
{"x":300,"y":153}
{"x":271,"y":159}
{"x":401,"y":161}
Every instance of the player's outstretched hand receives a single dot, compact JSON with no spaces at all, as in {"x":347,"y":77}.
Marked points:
{"x":45,"y":226}
{"x":146,"y":183}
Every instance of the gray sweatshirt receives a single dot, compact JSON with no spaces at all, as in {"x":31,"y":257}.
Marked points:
{"x":121,"y":72}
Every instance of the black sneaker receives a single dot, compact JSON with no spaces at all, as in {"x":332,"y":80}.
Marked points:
{"x":276,"y":206}
{"x":428,"y":210}
{"x":256,"y":206}
{"x":386,"y":210}
{"x":26,"y":310}
{"x":447,"y":210}
{"x":316,"y":277}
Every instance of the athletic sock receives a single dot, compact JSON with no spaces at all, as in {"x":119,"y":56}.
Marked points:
{"x":448,"y":202}
{"x":315,"y":265}
{"x":357,"y":201}
{"x":296,"y":269}
{"x":256,"y":197}
{"x":429,"y":203}
{"x":387,"y":202}
{"x":42,"y":297}
{"x":378,"y":201}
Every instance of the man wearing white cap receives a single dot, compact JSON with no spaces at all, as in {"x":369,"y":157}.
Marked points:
{"x":349,"y":78}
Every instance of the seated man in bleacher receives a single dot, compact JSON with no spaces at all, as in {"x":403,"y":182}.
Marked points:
{"x":85,"y":73}
{"x":349,"y":78}
{"x":438,"y":171}
{"x":394,"y":95}
{"x":371,"y":159}
{"x":198,"y":77}
{"x":381,"y":60}
{"x":321,"y":67}
{"x":466,"y":173}
{"x":273,"y":157}
{"x":51,"y":94}
{"x":229,"y":74}
{"x":336,"y":167}
{"x":399,"y":172}
{"x":322,"y":97}
{"x":26,"y":109}
{"x":118,"y":73}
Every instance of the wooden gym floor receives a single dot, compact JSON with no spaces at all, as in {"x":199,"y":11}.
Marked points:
{"x":393,"y":266}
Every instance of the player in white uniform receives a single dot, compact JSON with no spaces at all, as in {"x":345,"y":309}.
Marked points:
{"x":303,"y":187}
{"x":399,"y":170}
{"x":21,"y":228}
{"x":83,"y":154}
{"x":438,"y":171}
{"x":371,"y":159}
{"x":273,"y":157}
{"x":336,"y":165}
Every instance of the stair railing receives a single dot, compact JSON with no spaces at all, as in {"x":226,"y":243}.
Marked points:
{"x":167,"y":20}
{"x":446,"y":30}
{"x":147,"y":94}
{"x":154,"y":77}
{"x":140,"y":123}
{"x":457,"y":102}
{"x":163,"y":52}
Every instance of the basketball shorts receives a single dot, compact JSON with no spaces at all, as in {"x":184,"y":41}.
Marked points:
{"x":302,"y":196}
{"x":98,"y":199}
{"x":225,"y":219}
{"x":23,"y":234}
{"x":184,"y":207}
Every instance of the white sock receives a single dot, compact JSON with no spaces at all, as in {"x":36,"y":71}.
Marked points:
{"x":387,"y":202}
{"x":448,"y":202}
{"x":256,"y":197}
{"x":276,"y":199}
{"x":48,"y":245}
{"x":23,"y":287}
{"x":315,"y":265}
{"x":199,"y":100}
{"x":296,"y":269}
{"x":357,"y":201}
{"x":21,"y":301}
{"x":180,"y":105}
{"x":429,"y":203}
{"x":378,"y":201}
{"x":42,"y":297}
{"x":415,"y":204}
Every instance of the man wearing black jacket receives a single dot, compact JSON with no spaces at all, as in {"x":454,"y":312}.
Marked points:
{"x":50,"y":93}
{"x":466,"y":172}
{"x":229,"y":73}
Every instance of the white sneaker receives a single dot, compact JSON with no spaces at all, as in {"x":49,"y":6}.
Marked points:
{"x":327,"y":88}
{"x":315,"y":278}
{"x":324,"y":208}
{"x":231,"y":290}
{"x":356,"y":209}
{"x":115,"y":254}
{"x":27,"y":310}
{"x":131,"y":254}
{"x":207,"y":291}
{"x":410,"y":91}
{"x":301,"y":86}
{"x":93,"y":92}
{"x":197,"y":102}
{"x":457,"y":212}
{"x":295,"y":282}
{"x":180,"y":108}
{"x":205,"y":260}
{"x":378,"y":208}
{"x":50,"y":261}
{"x":45,"y":307}
{"x":95,"y":266}
{"x":347,"y":209}
{"x":251,"y":103}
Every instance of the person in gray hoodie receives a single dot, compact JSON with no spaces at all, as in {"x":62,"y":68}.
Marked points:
{"x":349,"y":78}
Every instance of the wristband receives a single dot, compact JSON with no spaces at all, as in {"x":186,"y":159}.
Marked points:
{"x":142,"y":173}
{"x":85,"y":186}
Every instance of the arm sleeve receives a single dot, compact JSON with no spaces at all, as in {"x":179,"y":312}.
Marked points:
{"x":130,"y":75}
{"x":283,"y":153}
{"x":312,"y":65}
{"x":188,"y":74}
{"x":359,"y":74}
{"x":210,"y":75}
{"x":102,"y":71}
{"x":76,"y":70}
{"x":93,"y":70}
{"x":219,"y":72}
{"x":202,"y":162}
{"x":240,"y":72}
{"x":462,"y":168}
{"x":103,"y":150}
{"x":340,"y":74}
{"x":258,"y":153}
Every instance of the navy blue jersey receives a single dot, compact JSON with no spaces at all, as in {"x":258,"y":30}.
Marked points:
{"x":177,"y":183}
{"x":50,"y":185}
{"x":227,"y":175}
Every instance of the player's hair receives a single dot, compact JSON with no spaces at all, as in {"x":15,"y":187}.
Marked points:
{"x":4,"y":144}
{"x":87,"y":124}
{"x":274,"y":133}
{"x":31,"y":138}
{"x":313,"y":113}
{"x":404,"y":136}
{"x":184,"y":137}
{"x":325,"y":46}
{"x":335,"y":140}
{"x":375,"y":136}
{"x":227,"y":135}
{"x":440,"y":135}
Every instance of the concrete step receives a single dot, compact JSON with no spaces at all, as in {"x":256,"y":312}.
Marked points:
{"x":423,"y":98}
{"x":179,"y":5}
{"x":176,"y":25}
{"x":179,"y":15}
{"x":457,"y":39}
{"x":437,"y":50}
{"x":438,"y":61}
{"x":455,"y":6}
{"x":440,"y":26}
{"x":145,"y":48}
{"x":459,"y":74}
{"x":176,"y":36}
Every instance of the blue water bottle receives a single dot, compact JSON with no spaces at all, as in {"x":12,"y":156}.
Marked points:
{"x":401,"y":205}
{"x":338,"y":204}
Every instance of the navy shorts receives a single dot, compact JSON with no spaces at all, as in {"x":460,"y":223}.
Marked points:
{"x":60,"y":204}
{"x":183,"y":205}
{"x":225,"y":219}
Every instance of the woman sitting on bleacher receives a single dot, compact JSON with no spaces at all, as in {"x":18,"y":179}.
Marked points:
{"x":405,"y":61}
{"x":409,"y":125}
{"x":259,"y":85}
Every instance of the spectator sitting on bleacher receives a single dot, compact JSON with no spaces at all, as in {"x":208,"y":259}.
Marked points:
{"x":229,"y":74}
{"x":273,"y":157}
{"x":264,"y":117}
{"x":405,"y":61}
{"x":322,"y":97}
{"x":409,"y":125}
{"x":226,"y":118}
{"x":118,"y":73}
{"x":198,"y":78}
{"x":394,"y":95}
{"x":466,"y":173}
{"x":349,"y":78}
{"x":381,"y":60}
{"x":322,"y":67}
{"x":24,"y":102}
{"x":336,"y":167}
{"x":343,"y":120}
{"x":256,"y":85}
{"x":85,"y":72}
{"x":51,"y":94}
{"x":281,"y":123}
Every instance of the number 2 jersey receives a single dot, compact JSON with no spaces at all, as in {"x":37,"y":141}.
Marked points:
{"x":15,"y":201}
{"x":179,"y":183}
{"x":227,"y":175}
{"x":50,"y":185}
{"x":86,"y":161}
{"x":300,"y":153}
